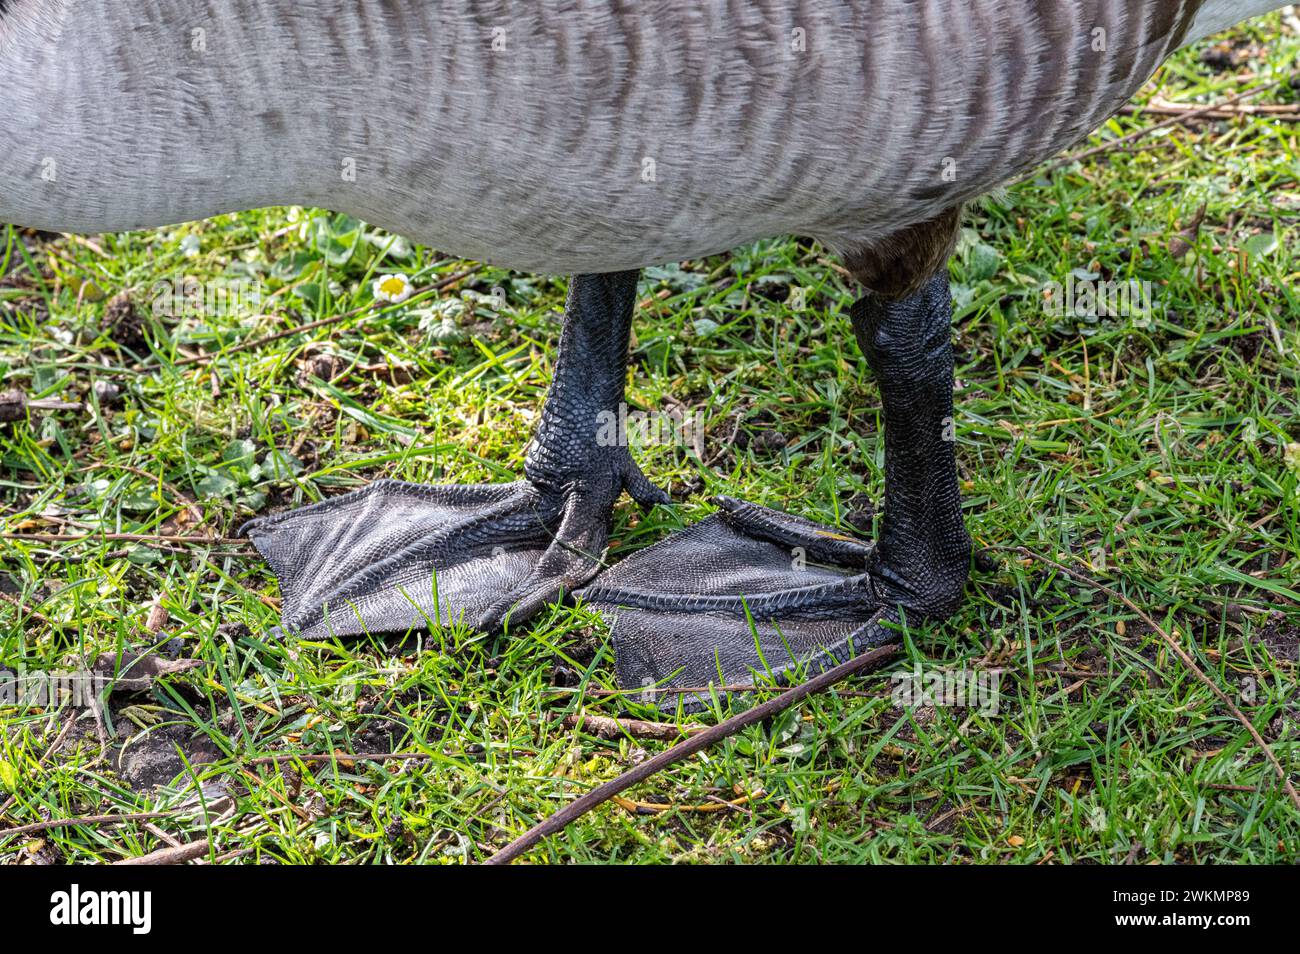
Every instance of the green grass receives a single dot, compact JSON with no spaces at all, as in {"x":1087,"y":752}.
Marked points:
{"x":1160,"y":454}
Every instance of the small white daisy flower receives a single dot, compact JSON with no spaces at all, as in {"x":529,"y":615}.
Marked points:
{"x":393,"y":288}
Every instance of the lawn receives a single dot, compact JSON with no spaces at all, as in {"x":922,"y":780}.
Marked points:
{"x":1156,"y":451}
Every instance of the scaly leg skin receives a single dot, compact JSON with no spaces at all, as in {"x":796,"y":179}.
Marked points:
{"x":397,"y":556}
{"x":752,"y":591}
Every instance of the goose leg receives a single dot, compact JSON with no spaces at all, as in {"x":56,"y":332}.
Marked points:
{"x":395,"y":555}
{"x":752,"y":590}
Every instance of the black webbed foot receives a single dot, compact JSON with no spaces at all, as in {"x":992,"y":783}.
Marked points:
{"x":396,"y":555}
{"x":748,"y":592}
{"x":754,"y":591}
{"x":372,"y":560}
{"x":576,"y":540}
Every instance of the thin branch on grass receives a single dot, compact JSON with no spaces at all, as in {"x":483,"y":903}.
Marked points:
{"x":602,"y":793}
{"x":339,"y":757}
{"x":657,"y":808}
{"x":1187,"y":660}
{"x":596,"y":692}
{"x":161,"y":835}
{"x":1145,"y":131}
{"x":83,"y":820}
{"x":1280,"y":112}
{"x":124,"y":538}
{"x":14,"y":600}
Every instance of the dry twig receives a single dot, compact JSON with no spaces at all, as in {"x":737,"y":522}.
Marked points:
{"x":601,"y":793}
{"x":1145,"y":131}
{"x":171,"y":855}
{"x":606,"y":727}
{"x":1187,"y":660}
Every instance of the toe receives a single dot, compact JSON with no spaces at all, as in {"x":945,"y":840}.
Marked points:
{"x":572,"y":559}
{"x":818,"y":542}
{"x":642,"y":490}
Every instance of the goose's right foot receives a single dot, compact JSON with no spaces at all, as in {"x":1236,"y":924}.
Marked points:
{"x":397,"y":556}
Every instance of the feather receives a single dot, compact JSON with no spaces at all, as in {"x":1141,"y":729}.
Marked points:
{"x":1216,"y":15}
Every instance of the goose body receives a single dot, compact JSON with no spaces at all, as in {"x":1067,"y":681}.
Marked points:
{"x":582,"y":136}
{"x":595,"y":138}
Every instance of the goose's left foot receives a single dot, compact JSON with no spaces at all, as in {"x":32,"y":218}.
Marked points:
{"x":753,"y":591}
{"x":746,"y":592}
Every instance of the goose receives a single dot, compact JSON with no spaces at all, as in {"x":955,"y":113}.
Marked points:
{"x":594,"y":138}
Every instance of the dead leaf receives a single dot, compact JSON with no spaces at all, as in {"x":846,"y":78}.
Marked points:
{"x":137,"y":671}
{"x":13,"y":404}
{"x":158,"y":617}
{"x":1185,"y":241}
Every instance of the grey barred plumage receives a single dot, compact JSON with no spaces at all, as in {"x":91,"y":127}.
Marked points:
{"x":560,"y":136}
